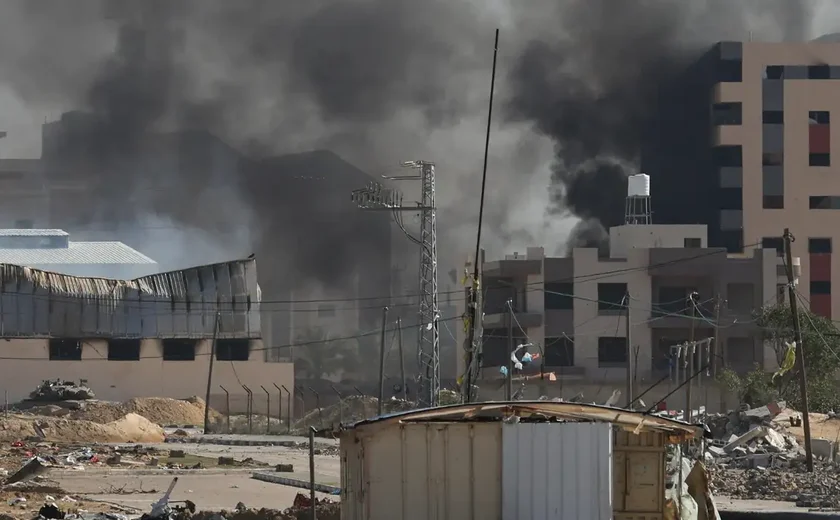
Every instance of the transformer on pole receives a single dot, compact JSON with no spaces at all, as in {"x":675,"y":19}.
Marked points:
{"x":377,"y":197}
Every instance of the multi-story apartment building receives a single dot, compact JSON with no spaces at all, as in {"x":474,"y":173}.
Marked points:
{"x":752,"y":154}
{"x":573,"y":308}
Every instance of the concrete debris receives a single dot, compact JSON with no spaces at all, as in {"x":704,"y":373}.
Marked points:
{"x":60,"y":390}
{"x":820,"y":489}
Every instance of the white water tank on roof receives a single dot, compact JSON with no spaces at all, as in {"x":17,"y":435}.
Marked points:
{"x":638,"y":185}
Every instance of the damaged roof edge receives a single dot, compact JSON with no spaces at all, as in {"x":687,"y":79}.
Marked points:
{"x":637,"y":421}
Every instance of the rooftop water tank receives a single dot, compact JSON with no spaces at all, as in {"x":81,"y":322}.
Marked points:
{"x":638,"y":185}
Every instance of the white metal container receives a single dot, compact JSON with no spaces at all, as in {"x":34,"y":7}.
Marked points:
{"x":638,"y":185}
{"x":480,"y":470}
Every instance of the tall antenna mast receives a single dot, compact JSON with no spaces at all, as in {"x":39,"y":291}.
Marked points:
{"x":377,"y":197}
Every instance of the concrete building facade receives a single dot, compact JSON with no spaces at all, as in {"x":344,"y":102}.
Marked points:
{"x":573,"y":308}
{"x":753,"y":155}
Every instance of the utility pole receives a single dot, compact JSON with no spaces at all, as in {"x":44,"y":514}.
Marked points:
{"x":629,"y":384}
{"x":402,"y":359}
{"x":216,"y":325}
{"x":382,"y":361}
{"x":690,"y":353}
{"x":800,"y":354}
{"x":473,"y":315}
{"x":377,"y":197}
{"x":509,"y":380}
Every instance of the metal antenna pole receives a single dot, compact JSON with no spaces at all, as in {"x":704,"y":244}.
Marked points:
{"x":377,"y":197}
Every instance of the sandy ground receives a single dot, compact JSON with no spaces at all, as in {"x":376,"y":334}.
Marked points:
{"x":208,"y":491}
{"x":821,"y":426}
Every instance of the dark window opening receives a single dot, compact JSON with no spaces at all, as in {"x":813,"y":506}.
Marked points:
{"x":495,"y":348}
{"x":124,"y":350}
{"x":776,"y":243}
{"x":819,"y":117}
{"x":233,"y":349}
{"x":692,"y":243}
{"x":179,"y":350}
{"x":819,"y":246}
{"x":773,"y":202}
{"x":559,"y":296}
{"x":611,"y":296}
{"x":820,"y":287}
{"x":728,"y":155}
{"x":612,"y":352}
{"x":559,"y":352}
{"x":773,"y":117}
{"x":772,"y":158}
{"x":730,"y":71}
{"x":819,"y":202}
{"x":819,"y":72}
{"x":733,"y":240}
{"x":726,"y":113}
{"x":774,"y":72}
{"x":819,"y":159}
{"x":63,"y":349}
{"x":672,"y":300}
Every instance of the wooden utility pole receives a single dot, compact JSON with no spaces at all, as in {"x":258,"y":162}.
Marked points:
{"x":629,"y":383}
{"x":216,"y":326}
{"x":800,"y":354}
{"x":509,"y":378}
{"x":382,"y":361}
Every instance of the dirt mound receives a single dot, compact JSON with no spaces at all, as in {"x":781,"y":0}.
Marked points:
{"x":351,"y":410}
{"x":129,"y":428}
{"x":159,"y":410}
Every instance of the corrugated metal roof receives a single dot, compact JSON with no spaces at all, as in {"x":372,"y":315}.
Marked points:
{"x":75,"y":253}
{"x":628,"y":419}
{"x":177,"y":304}
{"x":33,"y":233}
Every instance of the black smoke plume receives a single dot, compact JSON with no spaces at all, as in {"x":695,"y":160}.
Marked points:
{"x":594,"y":82}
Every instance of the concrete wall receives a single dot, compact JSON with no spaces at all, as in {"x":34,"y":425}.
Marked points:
{"x":26,"y":363}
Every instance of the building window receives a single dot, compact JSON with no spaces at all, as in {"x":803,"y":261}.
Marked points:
{"x":772,"y":159}
{"x":774,"y":72}
{"x":692,"y":243}
{"x":233,"y":349}
{"x":63,"y":349}
{"x":559,"y":352}
{"x":611,"y":296}
{"x":733,"y":240}
{"x":773,"y":117}
{"x":819,"y":72}
{"x":824,"y":202}
{"x":776,"y":243}
{"x":124,"y":350}
{"x":820,"y":287}
{"x":495,"y":348}
{"x":819,"y":117}
{"x":740,"y":354}
{"x":731,"y":198}
{"x":726,"y":114}
{"x":179,"y":350}
{"x":740,"y":297}
{"x":729,"y":71}
{"x":819,"y":159}
{"x":326,"y":310}
{"x":773,"y":202}
{"x":728,"y":155}
{"x":819,"y":246}
{"x":612,"y":352}
{"x":559,"y":296}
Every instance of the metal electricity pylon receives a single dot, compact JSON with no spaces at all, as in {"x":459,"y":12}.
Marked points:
{"x":377,"y":197}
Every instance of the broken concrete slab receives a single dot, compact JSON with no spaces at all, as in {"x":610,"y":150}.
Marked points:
{"x":755,"y":433}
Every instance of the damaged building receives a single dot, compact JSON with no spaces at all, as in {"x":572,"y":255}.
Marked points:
{"x":150,"y":336}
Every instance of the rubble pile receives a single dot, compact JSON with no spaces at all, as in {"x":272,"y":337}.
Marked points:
{"x":60,"y":390}
{"x":819,"y":489}
{"x":751,"y":439}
